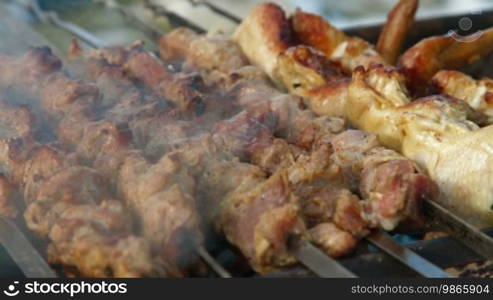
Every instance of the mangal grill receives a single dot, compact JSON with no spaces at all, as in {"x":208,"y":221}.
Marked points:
{"x":380,"y":254}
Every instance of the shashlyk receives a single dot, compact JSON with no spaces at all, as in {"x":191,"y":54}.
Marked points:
{"x":304,"y":184}
{"x":98,"y":240}
{"x":97,"y":140}
{"x":156,"y":127}
{"x":441,"y":134}
{"x":283,"y":109}
{"x":303,"y":129}
{"x":299,"y":126}
{"x":270,"y":246}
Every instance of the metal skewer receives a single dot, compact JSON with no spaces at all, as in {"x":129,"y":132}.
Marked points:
{"x":220,"y":270}
{"x":317,"y":261}
{"x":406,"y":256}
{"x":464,"y":232}
{"x":22,"y":252}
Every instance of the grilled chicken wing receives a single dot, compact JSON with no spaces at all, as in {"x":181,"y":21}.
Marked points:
{"x":477,"y":93}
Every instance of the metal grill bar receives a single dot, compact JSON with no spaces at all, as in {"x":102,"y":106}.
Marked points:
{"x":150,"y":30}
{"x":217,"y":9}
{"x":174,"y":19}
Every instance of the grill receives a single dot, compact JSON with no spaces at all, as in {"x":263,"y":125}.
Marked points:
{"x":379,"y":255}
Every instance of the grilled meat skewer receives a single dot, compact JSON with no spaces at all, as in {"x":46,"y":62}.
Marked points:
{"x":154,"y":128}
{"x":237,"y":147}
{"x":66,"y":203}
{"x":99,"y":139}
{"x":437,"y":132}
{"x":299,"y":126}
{"x":233,"y":148}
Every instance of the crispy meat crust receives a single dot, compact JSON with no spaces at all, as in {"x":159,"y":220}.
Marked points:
{"x":477,"y":93}
{"x":264,"y":31}
{"x":394,"y":33}
{"x":423,"y":60}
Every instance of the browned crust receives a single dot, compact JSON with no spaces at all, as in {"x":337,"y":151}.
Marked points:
{"x":393,"y":35}
{"x":313,"y":30}
{"x":275,"y":26}
{"x":315,"y":61}
{"x":263,"y":35}
{"x":430,"y":55}
{"x":421,"y":62}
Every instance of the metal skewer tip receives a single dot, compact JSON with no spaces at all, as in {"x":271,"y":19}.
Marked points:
{"x":22,"y":252}
{"x":464,"y":232}
{"x":204,"y":254}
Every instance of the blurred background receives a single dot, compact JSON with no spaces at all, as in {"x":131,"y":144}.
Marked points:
{"x":343,"y":13}
{"x":100,"y":18}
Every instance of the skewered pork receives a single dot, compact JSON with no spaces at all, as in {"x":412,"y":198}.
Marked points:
{"x":436,"y":132}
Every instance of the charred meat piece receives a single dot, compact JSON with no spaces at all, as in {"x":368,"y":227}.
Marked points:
{"x":423,"y":60}
{"x":269,"y":27}
{"x":74,"y":185}
{"x":98,"y":239}
{"x":29,"y":68}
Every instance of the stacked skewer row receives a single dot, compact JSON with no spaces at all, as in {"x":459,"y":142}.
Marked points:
{"x":128,"y":163}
